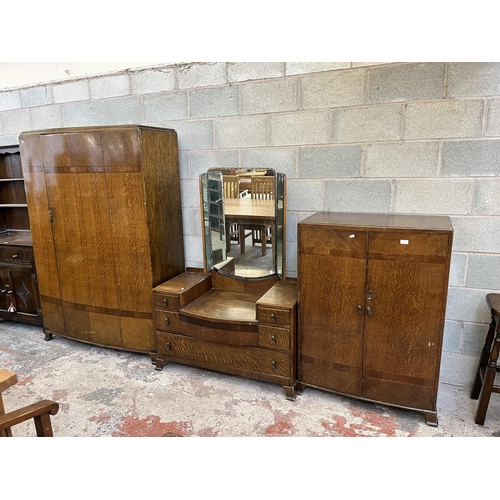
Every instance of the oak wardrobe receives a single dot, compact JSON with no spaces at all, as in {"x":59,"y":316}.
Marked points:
{"x":106,"y":222}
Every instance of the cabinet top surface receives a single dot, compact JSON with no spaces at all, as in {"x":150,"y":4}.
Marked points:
{"x":380,"y":220}
{"x":281,"y":294}
{"x":181,"y":282}
{"x":9,"y":149}
{"x":70,"y":130}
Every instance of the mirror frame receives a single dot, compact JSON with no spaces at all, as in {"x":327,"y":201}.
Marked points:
{"x":215,"y":175}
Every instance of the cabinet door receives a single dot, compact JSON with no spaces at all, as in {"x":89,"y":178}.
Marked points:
{"x":332,"y":270}
{"x":16,"y":284}
{"x":406,"y":293}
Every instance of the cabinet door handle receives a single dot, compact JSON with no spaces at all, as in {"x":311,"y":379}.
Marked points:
{"x":369,"y":311}
{"x":360,"y":310}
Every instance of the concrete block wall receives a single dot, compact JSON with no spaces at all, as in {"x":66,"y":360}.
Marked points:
{"x":419,"y":138}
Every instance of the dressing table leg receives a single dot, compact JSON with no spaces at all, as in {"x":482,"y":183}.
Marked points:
{"x":290,"y":392}
{"x":160,"y":363}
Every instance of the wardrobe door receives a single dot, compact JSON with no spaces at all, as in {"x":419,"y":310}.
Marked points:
{"x":81,"y":229}
{"x":332,"y":268}
{"x":41,"y":232}
{"x":406,"y":293}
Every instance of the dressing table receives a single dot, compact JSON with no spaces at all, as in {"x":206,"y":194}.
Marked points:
{"x":238,"y":315}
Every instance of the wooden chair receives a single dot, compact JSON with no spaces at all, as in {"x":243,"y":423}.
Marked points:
{"x":231,"y":187}
{"x":484,"y":383}
{"x":262,"y":188}
{"x":40,"y":412}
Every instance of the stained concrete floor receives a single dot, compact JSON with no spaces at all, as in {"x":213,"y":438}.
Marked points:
{"x":105,"y":392}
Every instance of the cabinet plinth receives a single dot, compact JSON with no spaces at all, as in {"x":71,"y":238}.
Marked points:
{"x":372,"y":300}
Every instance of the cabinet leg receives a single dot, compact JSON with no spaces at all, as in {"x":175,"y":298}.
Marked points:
{"x":48,"y":335}
{"x":431,"y":418}
{"x":299,"y":387}
{"x":290,"y":392}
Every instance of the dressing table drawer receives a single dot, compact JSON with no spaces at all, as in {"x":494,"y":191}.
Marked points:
{"x":167,"y":321}
{"x":273,"y":316}
{"x":169,"y":302}
{"x":247,"y":361}
{"x":274,"y":338}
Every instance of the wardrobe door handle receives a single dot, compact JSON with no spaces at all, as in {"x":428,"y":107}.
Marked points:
{"x":369,"y":311}
{"x":360,"y":310}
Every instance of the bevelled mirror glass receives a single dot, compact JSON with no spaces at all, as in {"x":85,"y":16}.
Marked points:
{"x":243,"y":217}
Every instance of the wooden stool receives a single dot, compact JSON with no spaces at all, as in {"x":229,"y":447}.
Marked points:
{"x":484,"y":383}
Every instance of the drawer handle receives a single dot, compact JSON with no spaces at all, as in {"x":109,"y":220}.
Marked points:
{"x":169,"y":346}
{"x":167,"y":321}
{"x":369,"y":311}
{"x":273,"y":339}
{"x":273,"y":317}
{"x":15,"y":256}
{"x":165,"y":302}
{"x":274,"y":364}
{"x":360,"y":310}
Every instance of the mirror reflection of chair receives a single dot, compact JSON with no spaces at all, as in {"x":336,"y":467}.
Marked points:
{"x":261,"y":188}
{"x":231,"y":187}
{"x":40,"y":412}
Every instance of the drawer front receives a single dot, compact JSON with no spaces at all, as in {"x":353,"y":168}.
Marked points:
{"x":275,"y":338}
{"x":273,"y":316}
{"x":16,"y":255}
{"x":222,"y":357}
{"x":167,"y":321}
{"x":397,"y":246}
{"x":168,"y":302}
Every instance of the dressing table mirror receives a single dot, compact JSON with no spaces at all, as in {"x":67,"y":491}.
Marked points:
{"x":243,"y":214}
{"x":238,"y":314}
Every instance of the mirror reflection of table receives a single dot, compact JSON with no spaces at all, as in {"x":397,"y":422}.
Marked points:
{"x":248,"y":212}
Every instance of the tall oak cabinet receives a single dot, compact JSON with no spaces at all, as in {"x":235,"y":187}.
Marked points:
{"x":372,"y":300}
{"x":106,"y":222}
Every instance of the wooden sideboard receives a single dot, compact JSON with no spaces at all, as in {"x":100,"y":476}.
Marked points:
{"x":240,"y":327}
{"x":372,"y":300}
{"x":106,"y":221}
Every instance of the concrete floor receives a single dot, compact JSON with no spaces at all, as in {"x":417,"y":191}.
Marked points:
{"x":104,"y":392}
